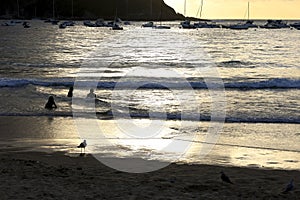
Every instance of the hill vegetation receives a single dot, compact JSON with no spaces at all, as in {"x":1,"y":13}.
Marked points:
{"x":89,"y":9}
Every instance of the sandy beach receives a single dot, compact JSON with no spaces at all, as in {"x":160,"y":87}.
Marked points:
{"x":38,"y":175}
{"x":37,"y":163}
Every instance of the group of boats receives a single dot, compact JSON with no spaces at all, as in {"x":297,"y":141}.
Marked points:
{"x":271,"y":24}
{"x":114,"y":25}
{"x":117,"y":24}
{"x":152,"y":25}
{"x":14,"y":23}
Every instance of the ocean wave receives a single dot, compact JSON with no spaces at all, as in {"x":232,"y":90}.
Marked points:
{"x":266,"y":84}
{"x":280,"y":83}
{"x":5,"y":82}
{"x":39,"y":65}
{"x":157,"y":116}
{"x":236,"y":64}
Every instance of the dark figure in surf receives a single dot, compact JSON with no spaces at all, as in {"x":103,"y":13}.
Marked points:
{"x":51,"y":103}
{"x":91,"y":94}
{"x":70,"y":93}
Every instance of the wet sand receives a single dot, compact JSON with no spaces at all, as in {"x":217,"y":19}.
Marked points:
{"x":39,"y":175}
{"x":28,"y":172}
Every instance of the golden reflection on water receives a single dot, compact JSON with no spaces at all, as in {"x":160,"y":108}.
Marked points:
{"x":111,"y":132}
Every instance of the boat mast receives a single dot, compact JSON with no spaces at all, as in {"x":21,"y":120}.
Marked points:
{"x":53,"y":12}
{"x":185,"y":8}
{"x":72,"y":10}
{"x":160,"y":14}
{"x":151,"y":12}
{"x":200,"y":9}
{"x":248,"y":10}
{"x":18,"y":7}
{"x":126,"y":9}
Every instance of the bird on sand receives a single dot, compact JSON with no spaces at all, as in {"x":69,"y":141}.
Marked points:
{"x":82,"y":145}
{"x":225,"y":178}
{"x":289,"y":186}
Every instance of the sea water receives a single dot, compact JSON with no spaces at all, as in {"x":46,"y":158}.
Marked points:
{"x":258,"y":69}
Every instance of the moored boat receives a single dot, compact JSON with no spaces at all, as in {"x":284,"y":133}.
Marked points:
{"x":295,"y":25}
{"x":250,"y":24}
{"x":275,"y":24}
{"x":10,"y":23}
{"x":206,"y":25}
{"x":162,"y":27}
{"x":187,"y":25}
{"x":62,"y":25}
{"x":26,"y":25}
{"x":239,"y":27}
{"x":116,"y":27}
{"x":148,"y":25}
{"x":89,"y":23}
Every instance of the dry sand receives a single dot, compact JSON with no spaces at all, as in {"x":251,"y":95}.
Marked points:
{"x":39,"y":175}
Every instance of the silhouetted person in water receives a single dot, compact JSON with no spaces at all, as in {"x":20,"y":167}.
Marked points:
{"x":91,"y":94}
{"x":70,"y":93}
{"x":50,"y":104}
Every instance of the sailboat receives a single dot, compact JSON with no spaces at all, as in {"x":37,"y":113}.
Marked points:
{"x":187,"y":23}
{"x":161,"y":26}
{"x":18,"y":7}
{"x":249,"y":22}
{"x":204,"y":24}
{"x":115,"y":25}
{"x":244,"y":26}
{"x":53,"y":21}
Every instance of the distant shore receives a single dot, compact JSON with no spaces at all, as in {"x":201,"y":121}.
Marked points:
{"x":108,"y":19}
{"x":37,"y":175}
{"x":142,"y":20}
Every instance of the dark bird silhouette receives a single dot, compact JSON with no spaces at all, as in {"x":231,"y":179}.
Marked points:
{"x":289,"y":187}
{"x":82,"y":145}
{"x":225,"y":178}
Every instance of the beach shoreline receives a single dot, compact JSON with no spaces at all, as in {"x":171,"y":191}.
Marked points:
{"x":39,"y":160}
{"x":36,"y":175}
